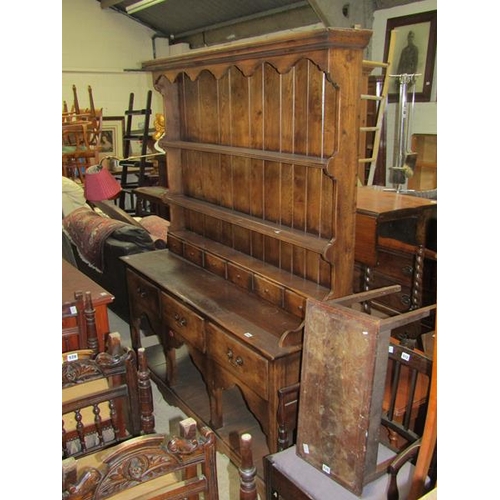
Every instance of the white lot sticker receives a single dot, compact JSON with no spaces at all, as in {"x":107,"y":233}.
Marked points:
{"x":73,"y":356}
{"x":325,"y":468}
{"x":305,"y":447}
{"x":248,"y":334}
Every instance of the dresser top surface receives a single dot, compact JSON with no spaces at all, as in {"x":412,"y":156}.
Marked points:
{"x":253,"y":320}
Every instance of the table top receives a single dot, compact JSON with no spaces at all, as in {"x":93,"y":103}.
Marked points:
{"x":377,"y":201}
{"x":74,"y":280}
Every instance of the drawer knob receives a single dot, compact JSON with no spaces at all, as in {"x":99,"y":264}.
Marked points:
{"x":142,"y":293}
{"x":405,"y":299}
{"x":180,"y":321}
{"x":230,"y":355}
{"x":407,"y":270}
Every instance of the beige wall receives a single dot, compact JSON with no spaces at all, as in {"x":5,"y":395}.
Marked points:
{"x":98,"y":47}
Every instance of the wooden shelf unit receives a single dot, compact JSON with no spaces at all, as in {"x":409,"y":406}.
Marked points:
{"x":268,"y":129}
{"x":262,"y":151}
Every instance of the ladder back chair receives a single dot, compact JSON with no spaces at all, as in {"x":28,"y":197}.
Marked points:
{"x":135,"y":162}
{"x":106,"y":398}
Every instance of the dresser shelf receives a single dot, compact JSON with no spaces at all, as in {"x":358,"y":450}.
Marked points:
{"x":266,"y":228}
{"x":259,"y":154}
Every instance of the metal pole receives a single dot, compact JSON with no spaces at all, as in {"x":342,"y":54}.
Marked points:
{"x":402,"y":129}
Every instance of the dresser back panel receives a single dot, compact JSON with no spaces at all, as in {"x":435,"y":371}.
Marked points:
{"x":268,"y":111}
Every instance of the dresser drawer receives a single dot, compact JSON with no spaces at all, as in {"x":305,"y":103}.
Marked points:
{"x":295,"y":303}
{"x":239,"y":276}
{"x":143,"y":296}
{"x":397,"y":265}
{"x":175,"y":245}
{"x":400,"y":301}
{"x":268,"y":290}
{"x":215,"y":265}
{"x":193,"y":254}
{"x":238,"y":359}
{"x":184,"y":321}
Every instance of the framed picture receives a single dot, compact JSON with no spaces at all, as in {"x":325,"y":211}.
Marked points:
{"x":112,"y":136}
{"x":414,"y":51}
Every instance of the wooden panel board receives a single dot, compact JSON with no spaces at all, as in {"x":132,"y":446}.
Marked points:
{"x":343,"y":372}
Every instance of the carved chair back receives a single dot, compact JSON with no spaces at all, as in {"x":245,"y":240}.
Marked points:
{"x":153,"y":467}
{"x":105,"y":399}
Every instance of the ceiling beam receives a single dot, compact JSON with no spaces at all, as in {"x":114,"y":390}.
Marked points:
{"x":243,"y":19}
{"x":141,"y":5}
{"x":319,"y":12}
{"x":342,"y":13}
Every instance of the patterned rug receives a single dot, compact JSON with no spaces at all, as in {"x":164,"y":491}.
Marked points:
{"x":88,"y":231}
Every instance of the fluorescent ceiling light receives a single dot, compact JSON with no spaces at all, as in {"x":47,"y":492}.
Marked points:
{"x":143,"y":4}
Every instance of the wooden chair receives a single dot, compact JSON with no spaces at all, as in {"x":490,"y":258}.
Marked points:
{"x":406,"y":394}
{"x":75,"y":108}
{"x":406,"y":398}
{"x":81,"y":137}
{"x":136,"y":165}
{"x":106,"y":399}
{"x":148,"y":467}
{"x":78,"y":324}
{"x":411,"y":370}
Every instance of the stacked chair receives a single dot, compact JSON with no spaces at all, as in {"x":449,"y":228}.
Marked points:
{"x":81,"y":137}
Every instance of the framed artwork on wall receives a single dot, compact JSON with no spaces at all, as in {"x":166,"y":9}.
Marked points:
{"x":112,"y":136}
{"x":414,"y":51}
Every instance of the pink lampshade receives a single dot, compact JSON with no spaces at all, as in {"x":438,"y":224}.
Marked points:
{"x":100,"y":184}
